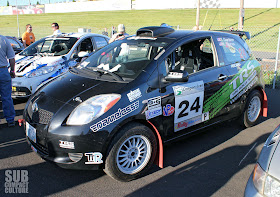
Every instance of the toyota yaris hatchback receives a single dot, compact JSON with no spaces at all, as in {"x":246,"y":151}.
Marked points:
{"x":115,"y":110}
{"x":49,"y":57}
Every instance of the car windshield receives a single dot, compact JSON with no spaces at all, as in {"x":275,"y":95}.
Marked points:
{"x":50,"y":46}
{"x":126,"y":58}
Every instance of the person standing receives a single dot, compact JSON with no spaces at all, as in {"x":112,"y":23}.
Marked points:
{"x":120,"y":35}
{"x":105,"y":32}
{"x":28,"y":37}
{"x":113,"y":31}
{"x":55,"y":28}
{"x":7,"y":53}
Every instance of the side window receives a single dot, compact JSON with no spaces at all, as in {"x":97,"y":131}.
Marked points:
{"x":191,"y":57}
{"x":100,"y":42}
{"x":85,"y":46}
{"x":233,"y":52}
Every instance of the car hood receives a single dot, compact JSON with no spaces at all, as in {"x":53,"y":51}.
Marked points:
{"x":73,"y":89}
{"x":274,"y":169}
{"x":25,"y":64}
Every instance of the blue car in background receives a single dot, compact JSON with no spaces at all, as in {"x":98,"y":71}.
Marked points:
{"x":51,"y":56}
{"x":16,"y":44}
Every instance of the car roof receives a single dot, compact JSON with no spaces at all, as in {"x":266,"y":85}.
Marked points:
{"x":167,"y":32}
{"x":76,"y":35}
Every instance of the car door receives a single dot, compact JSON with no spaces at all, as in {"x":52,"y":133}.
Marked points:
{"x":187,"y":106}
{"x":235,"y":55}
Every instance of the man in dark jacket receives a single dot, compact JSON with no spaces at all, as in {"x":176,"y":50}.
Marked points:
{"x":7,"y":53}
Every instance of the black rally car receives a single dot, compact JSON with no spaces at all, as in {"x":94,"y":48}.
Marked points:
{"x":116,"y":109}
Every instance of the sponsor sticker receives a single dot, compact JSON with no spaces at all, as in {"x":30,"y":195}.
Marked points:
{"x":154,"y":108}
{"x":154,"y":103}
{"x":237,"y":65}
{"x":187,"y":123}
{"x":205,"y":116}
{"x":133,"y":95}
{"x":153,"y":113}
{"x":188,"y":88}
{"x":175,"y":74}
{"x":94,"y":158}
{"x":115,"y":116}
{"x":168,"y":110}
{"x":66,"y":144}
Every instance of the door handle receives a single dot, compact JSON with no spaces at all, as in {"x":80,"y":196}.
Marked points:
{"x":222,"y":77}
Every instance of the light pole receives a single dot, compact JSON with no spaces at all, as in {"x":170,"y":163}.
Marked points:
{"x":197,"y":15}
{"x":241,"y":16}
{"x":17,"y":19}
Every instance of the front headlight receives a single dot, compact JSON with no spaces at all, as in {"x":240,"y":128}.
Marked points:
{"x":259,"y":178}
{"x":92,"y":108}
{"x":272,"y":187}
{"x":264,"y":183}
{"x":41,"y":71}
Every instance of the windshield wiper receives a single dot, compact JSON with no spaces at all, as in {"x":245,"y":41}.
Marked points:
{"x":102,"y":71}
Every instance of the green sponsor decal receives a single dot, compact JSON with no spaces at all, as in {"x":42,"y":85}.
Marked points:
{"x":234,"y":89}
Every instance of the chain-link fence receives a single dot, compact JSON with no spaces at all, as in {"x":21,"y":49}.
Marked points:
{"x":263,"y":42}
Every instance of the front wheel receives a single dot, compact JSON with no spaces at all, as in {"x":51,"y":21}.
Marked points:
{"x":252,"y":109}
{"x":132,"y":153}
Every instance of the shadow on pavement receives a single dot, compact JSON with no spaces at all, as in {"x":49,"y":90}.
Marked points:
{"x":193,"y":179}
{"x":46,"y":179}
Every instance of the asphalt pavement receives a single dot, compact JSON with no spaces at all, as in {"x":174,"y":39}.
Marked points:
{"x":217,"y":162}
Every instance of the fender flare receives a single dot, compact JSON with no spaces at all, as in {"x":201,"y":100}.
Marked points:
{"x":159,"y":160}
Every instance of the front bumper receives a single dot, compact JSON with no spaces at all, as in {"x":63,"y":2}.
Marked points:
{"x":75,"y":161}
{"x":23,"y":87}
{"x":20,"y":92}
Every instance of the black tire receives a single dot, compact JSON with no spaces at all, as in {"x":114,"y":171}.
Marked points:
{"x":122,"y":155}
{"x":252,"y":109}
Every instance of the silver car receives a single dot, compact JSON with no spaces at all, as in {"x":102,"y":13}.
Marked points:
{"x":265,"y":179}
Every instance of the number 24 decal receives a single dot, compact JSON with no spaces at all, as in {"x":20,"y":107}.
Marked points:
{"x":195,"y":106}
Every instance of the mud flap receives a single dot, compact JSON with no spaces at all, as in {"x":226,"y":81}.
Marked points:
{"x":159,"y":156}
{"x":264,"y":104}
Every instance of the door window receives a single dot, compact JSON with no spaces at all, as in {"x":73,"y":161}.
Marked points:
{"x":100,"y":42}
{"x":232,"y":50}
{"x":191,"y":57}
{"x":84,"y":46}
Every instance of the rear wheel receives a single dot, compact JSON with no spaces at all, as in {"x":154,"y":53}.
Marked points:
{"x":132,"y":153}
{"x":252,"y":109}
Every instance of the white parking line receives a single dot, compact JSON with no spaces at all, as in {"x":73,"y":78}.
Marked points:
{"x":248,"y":153}
{"x":14,"y":142}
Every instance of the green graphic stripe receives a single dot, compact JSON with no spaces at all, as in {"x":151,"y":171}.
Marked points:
{"x":222,"y":97}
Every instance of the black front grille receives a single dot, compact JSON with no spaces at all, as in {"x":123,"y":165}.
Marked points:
{"x":44,"y":150}
{"x":41,"y":116}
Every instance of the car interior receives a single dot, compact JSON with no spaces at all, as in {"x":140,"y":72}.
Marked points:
{"x":191,"y":57}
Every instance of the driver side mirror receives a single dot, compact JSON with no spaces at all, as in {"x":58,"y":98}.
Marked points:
{"x":180,"y":76}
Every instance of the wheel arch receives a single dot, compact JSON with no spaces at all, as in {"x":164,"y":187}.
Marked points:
{"x":159,"y":154}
